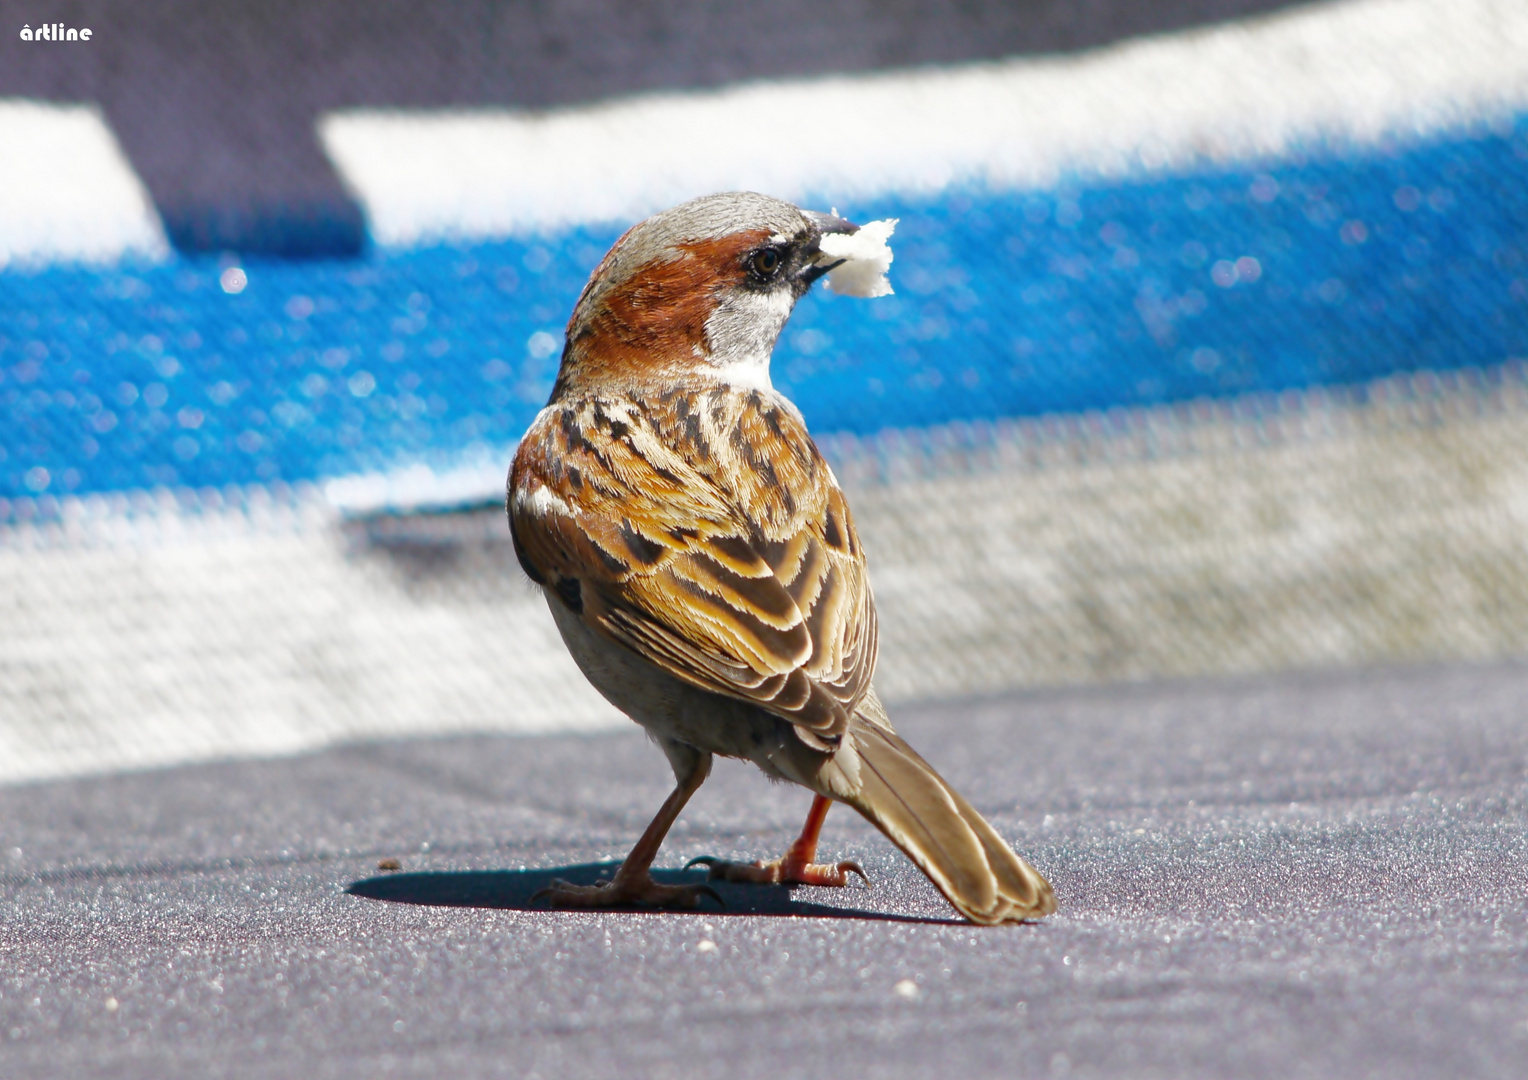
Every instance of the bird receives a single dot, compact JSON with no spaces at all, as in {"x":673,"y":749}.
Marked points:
{"x":701,"y":564}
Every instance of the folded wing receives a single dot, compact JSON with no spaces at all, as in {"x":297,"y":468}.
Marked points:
{"x":701,"y":528}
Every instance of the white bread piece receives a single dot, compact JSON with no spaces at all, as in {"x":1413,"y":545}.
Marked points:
{"x":866,"y":258}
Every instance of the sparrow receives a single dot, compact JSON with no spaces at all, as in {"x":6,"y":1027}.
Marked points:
{"x":703,"y":568}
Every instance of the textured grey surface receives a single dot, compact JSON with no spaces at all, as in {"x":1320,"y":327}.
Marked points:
{"x":1325,"y":875}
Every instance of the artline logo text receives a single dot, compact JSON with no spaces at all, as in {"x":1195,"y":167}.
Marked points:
{"x":54,"y":32}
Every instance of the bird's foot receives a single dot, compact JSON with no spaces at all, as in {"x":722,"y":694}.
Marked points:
{"x":781,"y":871}
{"x":636,"y":891}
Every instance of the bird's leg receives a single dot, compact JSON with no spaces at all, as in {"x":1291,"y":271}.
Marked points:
{"x":633,"y":884}
{"x":795,"y":867}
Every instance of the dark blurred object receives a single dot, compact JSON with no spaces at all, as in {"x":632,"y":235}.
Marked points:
{"x":215,"y":103}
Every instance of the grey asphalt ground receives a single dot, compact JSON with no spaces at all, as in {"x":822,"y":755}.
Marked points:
{"x":1302,"y":876}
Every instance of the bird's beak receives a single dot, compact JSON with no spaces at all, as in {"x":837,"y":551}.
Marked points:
{"x":823,"y":224}
{"x":828,"y":223}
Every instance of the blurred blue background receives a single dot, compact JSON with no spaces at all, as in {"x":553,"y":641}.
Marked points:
{"x":1334,"y":268}
{"x":1208,"y":353}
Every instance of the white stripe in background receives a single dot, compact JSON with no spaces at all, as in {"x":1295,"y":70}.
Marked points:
{"x":262,"y":628}
{"x":69,"y":193}
{"x":1321,"y":530}
{"x":1345,"y":73}
{"x":474,"y":477}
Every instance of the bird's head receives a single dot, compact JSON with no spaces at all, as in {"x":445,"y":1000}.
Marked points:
{"x":703,"y":288}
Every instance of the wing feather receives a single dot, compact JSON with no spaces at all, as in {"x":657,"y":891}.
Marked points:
{"x":703,"y":531}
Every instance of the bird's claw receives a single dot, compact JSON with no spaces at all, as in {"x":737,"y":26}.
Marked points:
{"x":638,"y":892}
{"x":849,"y":866}
{"x":785,"y":871}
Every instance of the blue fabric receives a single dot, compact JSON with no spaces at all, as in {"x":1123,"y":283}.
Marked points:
{"x":1332,"y":269}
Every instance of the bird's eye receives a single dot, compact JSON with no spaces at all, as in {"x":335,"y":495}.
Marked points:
{"x":766,"y":262}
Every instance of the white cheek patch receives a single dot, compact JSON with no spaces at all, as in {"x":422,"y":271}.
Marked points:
{"x":866,"y":258}
{"x":742,"y":332}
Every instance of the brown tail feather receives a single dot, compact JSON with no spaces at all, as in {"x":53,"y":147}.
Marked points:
{"x":962,"y":855}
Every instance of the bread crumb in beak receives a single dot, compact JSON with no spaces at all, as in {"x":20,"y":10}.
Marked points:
{"x":866,"y":258}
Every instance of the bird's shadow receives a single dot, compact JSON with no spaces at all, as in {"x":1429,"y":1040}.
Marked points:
{"x":515,"y":890}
